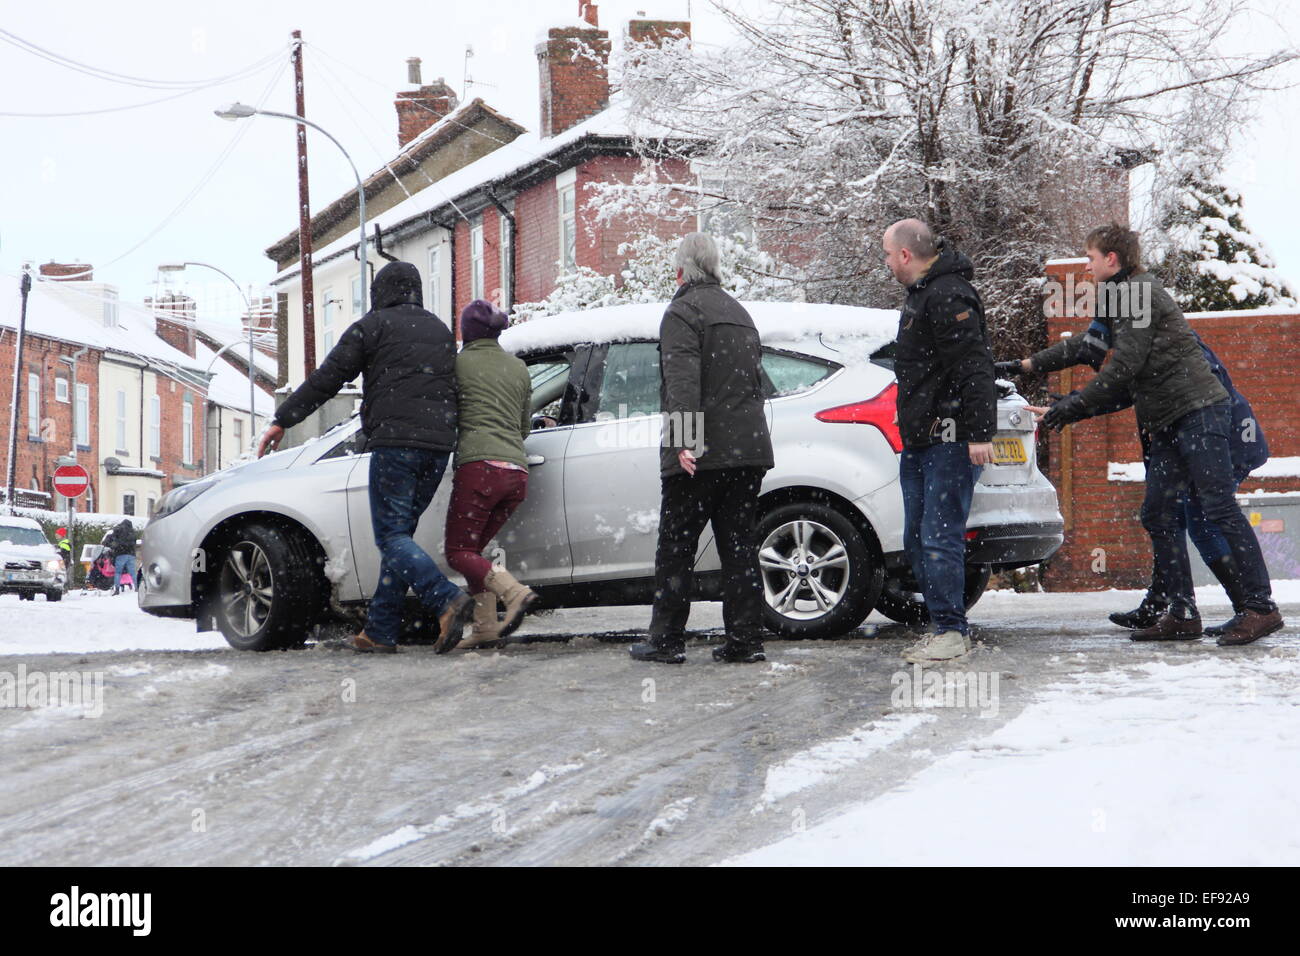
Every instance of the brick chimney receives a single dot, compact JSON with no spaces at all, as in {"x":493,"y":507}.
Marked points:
{"x":75,"y":271}
{"x":420,"y":108}
{"x":640,"y":32}
{"x":174,"y":317}
{"x":573,"y":64}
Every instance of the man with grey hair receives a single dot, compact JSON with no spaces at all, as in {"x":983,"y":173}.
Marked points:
{"x":715,"y":451}
{"x":947,"y":415}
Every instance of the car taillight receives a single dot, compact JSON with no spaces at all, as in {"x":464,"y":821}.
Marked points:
{"x":880,"y":411}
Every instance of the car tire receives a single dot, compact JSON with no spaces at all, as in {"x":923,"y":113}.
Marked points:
{"x":27,"y":595}
{"x":819,"y":603}
{"x":897,"y":604}
{"x":54,"y":595}
{"x":267,"y":588}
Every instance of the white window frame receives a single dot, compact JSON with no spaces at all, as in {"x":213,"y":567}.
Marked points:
{"x":435,"y":282}
{"x":81,"y":415}
{"x":505,"y":250}
{"x":568,"y":226}
{"x":327,"y":318}
{"x":134,"y":497}
{"x":187,"y":431}
{"x":61,"y":393}
{"x":119,"y":420}
{"x":110,"y":308}
{"x":155,"y":426}
{"x":476,"y":260}
{"x":237,"y":430}
{"x":33,"y":405}
{"x":358,"y":307}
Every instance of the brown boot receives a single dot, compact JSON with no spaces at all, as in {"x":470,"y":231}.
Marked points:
{"x":487,"y":629}
{"x":451,"y":622}
{"x":515,"y":596}
{"x":1170,"y":628}
{"x":362,"y":644}
{"x":1250,"y":626}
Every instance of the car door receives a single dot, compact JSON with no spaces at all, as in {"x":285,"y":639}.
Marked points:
{"x":534,"y":543}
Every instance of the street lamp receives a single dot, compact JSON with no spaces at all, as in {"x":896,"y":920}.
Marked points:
{"x":252,"y":369}
{"x":242,"y":111}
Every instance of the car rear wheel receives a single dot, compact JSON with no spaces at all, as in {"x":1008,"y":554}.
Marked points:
{"x":54,"y":595}
{"x":820,"y":577}
{"x":899,"y":604}
{"x":268,"y":589}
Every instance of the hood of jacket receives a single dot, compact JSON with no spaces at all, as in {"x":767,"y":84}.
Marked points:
{"x":949,"y":261}
{"x":395,"y":284}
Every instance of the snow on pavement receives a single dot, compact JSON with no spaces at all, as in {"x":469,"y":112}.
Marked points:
{"x":1160,"y":764}
{"x":94,"y":621}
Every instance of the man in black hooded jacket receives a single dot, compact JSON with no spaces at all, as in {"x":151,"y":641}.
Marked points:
{"x":407,"y":358}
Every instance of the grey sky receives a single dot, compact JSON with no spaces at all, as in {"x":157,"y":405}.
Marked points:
{"x":90,"y":188}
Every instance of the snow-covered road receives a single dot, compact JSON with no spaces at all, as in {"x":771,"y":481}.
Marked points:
{"x":1073,"y":745}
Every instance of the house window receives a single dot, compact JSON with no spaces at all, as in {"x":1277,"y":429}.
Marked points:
{"x":149,"y":504}
{"x":110,"y":308}
{"x":328,"y":312}
{"x":357,"y":308}
{"x":155,"y":426}
{"x":120,"y":422}
{"x":568,"y":229}
{"x":187,"y":430}
{"x":83,"y":414}
{"x":128,"y":503}
{"x":435,"y":281}
{"x":61,"y":389}
{"x":34,"y":405}
{"x":506,"y":290}
{"x":476,"y":260}
{"x":239,"y":434}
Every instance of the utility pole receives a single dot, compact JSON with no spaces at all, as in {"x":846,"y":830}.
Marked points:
{"x":304,"y":218}
{"x":26,"y":287}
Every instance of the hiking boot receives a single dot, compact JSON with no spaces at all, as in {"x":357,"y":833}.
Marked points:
{"x":933,"y":648}
{"x":451,"y":622}
{"x":1251,"y":626}
{"x":515,"y":596}
{"x":660,"y":648}
{"x":1144,"y":615}
{"x":739,"y":651}
{"x":486,"y":631}
{"x":1170,"y":627}
{"x":362,"y":644}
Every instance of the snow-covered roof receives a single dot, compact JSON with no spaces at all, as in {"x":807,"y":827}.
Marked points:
{"x":50,"y":313}
{"x":859,"y":330}
{"x":224,"y":334}
{"x":512,"y":157}
{"x":229,"y":387}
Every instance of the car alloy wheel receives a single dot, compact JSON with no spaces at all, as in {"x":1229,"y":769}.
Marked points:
{"x":805,"y":569}
{"x":246,"y":588}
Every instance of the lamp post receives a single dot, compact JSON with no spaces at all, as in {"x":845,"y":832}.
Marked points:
{"x":243,"y":111}
{"x":252,"y":369}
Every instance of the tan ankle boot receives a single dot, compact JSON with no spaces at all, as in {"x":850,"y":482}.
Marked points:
{"x":515,"y":596}
{"x":486,"y":631}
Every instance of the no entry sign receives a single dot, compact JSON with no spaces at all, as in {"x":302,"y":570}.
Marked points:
{"x":71,"y":481}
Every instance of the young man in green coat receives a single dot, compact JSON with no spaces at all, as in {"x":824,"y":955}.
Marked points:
{"x":491,"y":477}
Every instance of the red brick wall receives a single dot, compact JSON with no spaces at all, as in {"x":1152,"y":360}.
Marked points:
{"x":172,"y":420}
{"x":1104,"y":514}
{"x":537,"y":241}
{"x":573,"y":76}
{"x":598,"y":243}
{"x":36,"y":459}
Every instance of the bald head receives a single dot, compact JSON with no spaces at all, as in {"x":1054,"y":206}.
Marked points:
{"x":910,"y":248}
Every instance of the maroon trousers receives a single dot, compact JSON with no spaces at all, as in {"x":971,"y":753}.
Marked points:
{"x":483,"y":496}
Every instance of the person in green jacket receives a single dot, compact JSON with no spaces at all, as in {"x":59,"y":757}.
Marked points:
{"x":491,"y":470}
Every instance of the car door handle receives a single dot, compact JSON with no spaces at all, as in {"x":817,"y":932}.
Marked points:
{"x":536,"y":459}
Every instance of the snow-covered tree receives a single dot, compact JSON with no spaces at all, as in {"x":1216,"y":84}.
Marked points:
{"x":998,"y":121}
{"x":1216,"y":262}
{"x":649,"y":276}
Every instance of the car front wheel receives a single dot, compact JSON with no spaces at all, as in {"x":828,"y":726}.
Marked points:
{"x":820,"y":577}
{"x":268,"y":589}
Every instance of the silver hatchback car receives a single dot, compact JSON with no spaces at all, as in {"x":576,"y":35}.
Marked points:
{"x":268,"y":549}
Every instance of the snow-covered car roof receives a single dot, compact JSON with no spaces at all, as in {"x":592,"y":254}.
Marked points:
{"x":17,"y":521}
{"x":854,"y":330}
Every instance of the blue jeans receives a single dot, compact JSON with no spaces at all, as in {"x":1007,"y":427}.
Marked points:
{"x":938,"y":483}
{"x":402,"y":483}
{"x":123,"y":562}
{"x":1193,"y":454}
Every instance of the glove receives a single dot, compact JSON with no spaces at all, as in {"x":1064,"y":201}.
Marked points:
{"x":1069,"y":409}
{"x":1006,"y":369}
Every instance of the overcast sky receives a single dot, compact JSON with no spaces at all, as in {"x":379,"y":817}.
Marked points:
{"x":128,"y":190}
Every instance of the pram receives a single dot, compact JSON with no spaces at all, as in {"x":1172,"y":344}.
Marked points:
{"x":100,"y":575}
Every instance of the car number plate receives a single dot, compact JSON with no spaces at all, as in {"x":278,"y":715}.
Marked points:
{"x":1009,"y":451}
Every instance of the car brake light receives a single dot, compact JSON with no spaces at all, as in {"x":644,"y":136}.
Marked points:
{"x":880,"y":411}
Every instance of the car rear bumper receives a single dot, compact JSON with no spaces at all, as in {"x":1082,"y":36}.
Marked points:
{"x":1007,"y":546}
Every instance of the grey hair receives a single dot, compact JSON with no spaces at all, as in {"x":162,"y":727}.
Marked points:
{"x":916,"y":237}
{"x":697,"y":257}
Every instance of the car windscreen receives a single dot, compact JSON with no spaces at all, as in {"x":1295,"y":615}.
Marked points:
{"x":24,"y":536}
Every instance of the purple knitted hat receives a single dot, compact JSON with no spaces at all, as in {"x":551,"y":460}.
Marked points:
{"x":481,"y":320}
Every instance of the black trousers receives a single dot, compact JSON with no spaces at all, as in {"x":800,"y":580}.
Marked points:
{"x":729,"y":498}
